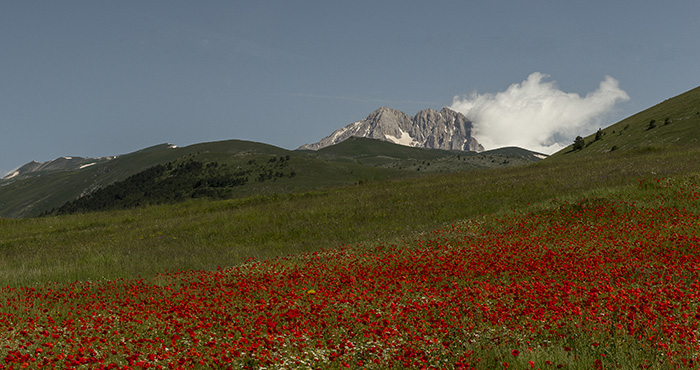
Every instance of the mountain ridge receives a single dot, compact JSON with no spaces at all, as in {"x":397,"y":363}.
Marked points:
{"x":668,"y":127}
{"x":59,"y":164}
{"x":239,"y":168}
{"x":429,"y":129}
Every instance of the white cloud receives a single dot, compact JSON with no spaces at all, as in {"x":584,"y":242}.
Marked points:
{"x":536,"y":115}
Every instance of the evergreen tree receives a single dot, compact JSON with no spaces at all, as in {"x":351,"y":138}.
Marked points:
{"x":599,"y":135}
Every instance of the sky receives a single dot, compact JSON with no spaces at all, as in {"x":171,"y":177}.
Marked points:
{"x":98,"y":78}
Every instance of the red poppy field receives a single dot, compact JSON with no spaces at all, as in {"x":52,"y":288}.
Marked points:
{"x":611,"y":282}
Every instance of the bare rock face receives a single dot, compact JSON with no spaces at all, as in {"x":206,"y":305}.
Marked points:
{"x":429,"y":128}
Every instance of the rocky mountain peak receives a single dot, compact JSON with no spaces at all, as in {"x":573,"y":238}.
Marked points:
{"x":429,"y":113}
{"x":429,"y":128}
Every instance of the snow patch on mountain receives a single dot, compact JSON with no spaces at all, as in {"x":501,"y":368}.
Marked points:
{"x":11,"y":175}
{"x":403,"y":139}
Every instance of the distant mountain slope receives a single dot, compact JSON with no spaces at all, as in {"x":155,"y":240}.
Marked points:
{"x":39,"y":188}
{"x":218,"y":175}
{"x":388,"y":155}
{"x":429,"y":128}
{"x":176,"y":181}
{"x":34,"y":168}
{"x":237,"y":168}
{"x":359,"y":147}
{"x":225,"y":169}
{"x":672,"y":123}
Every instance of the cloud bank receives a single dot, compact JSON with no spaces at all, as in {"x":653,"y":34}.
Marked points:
{"x":536,"y":115}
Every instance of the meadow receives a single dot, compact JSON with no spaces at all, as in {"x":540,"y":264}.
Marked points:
{"x":202,"y":234}
{"x":602,"y":282}
{"x":588,"y":259}
{"x":595,"y":267}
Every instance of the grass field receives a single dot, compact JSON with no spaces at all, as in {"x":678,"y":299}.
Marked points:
{"x":585,"y":260}
{"x":603,"y":276}
{"x":203,"y":234}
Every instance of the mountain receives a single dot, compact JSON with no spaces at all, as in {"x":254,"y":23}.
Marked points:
{"x":223,"y":170}
{"x":37,"y":187}
{"x":201,"y":235}
{"x":385,"y":154}
{"x":237,"y":169}
{"x":429,"y":128}
{"x":216,"y":176}
{"x":59,"y":164}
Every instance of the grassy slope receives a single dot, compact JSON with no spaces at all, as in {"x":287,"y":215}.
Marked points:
{"x":338,"y":165}
{"x":204,"y":234}
{"x":633,"y":133}
{"x":48,"y":190}
{"x":388,"y":155}
{"x":31,"y":196}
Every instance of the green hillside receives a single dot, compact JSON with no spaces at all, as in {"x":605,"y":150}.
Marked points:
{"x":389,"y":155}
{"x":43,"y":191}
{"x":584,"y":260}
{"x":671,"y":124}
{"x":224,"y":169}
{"x":201,"y":234}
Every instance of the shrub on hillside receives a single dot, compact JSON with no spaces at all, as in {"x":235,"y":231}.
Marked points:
{"x":652,"y":124}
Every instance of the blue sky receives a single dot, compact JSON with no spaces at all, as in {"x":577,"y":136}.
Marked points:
{"x":97,"y":78}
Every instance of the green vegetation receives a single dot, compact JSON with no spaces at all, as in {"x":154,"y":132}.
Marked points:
{"x":177,"y":181}
{"x":599,"y":135}
{"x":288,"y":218}
{"x":681,"y":128}
{"x":230,"y":169}
{"x":33,"y":195}
{"x":203,"y":234}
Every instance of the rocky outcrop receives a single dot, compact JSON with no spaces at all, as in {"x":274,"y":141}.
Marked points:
{"x":429,"y":128}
